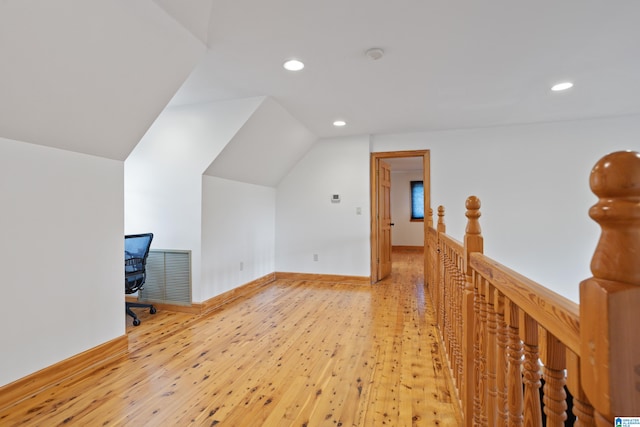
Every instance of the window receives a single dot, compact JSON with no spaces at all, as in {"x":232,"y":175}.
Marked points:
{"x":417,"y":201}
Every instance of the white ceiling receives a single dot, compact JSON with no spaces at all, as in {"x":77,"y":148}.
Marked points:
{"x":447,"y":64}
{"x":91,"y":76}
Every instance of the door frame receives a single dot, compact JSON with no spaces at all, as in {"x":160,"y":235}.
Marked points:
{"x":373,"y":169}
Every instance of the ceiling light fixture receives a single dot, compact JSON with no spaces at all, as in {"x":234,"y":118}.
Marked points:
{"x":374,"y":53}
{"x":561,"y":86}
{"x":293,"y":65}
{"x":339,"y":123}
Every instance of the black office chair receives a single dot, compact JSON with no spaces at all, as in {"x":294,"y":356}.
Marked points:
{"x":136,"y":251}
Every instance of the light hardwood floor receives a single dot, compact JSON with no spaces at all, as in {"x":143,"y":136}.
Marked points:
{"x":295,"y":354}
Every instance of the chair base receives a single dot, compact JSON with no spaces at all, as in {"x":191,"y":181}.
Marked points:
{"x":129,"y":305}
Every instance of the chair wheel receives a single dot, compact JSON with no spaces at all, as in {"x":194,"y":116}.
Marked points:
{"x":152,"y":310}
{"x":136,"y":322}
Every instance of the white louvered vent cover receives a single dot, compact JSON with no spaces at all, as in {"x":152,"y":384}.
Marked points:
{"x":168,"y":277}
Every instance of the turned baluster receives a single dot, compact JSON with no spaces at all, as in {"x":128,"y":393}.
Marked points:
{"x":433,"y":283}
{"x":430,"y":218}
{"x":492,"y":385}
{"x":514,"y":357}
{"x":501,"y":361}
{"x":480,"y":351}
{"x":449,"y":306}
{"x":555,"y":398}
{"x":531,"y":371}
{"x":461,"y":282}
{"x":473,"y":242}
{"x":431,"y":253}
{"x":477,"y":403}
{"x":582,"y":409}
{"x":441,"y":266}
{"x":447,"y":301}
{"x":609,"y":301}
{"x":455,"y":314}
{"x":444,"y":295}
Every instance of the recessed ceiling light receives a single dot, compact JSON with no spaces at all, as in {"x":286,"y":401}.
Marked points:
{"x":561,"y":86}
{"x":293,"y":65}
{"x":339,"y":123}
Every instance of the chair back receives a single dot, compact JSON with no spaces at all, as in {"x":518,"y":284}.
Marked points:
{"x":136,"y":251}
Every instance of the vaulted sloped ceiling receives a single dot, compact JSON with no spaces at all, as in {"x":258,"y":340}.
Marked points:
{"x":446,"y":64}
{"x":265,"y":149}
{"x":91,"y":76}
{"x":194,"y":15}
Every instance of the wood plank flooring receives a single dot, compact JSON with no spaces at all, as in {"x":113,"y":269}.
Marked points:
{"x":295,"y":354}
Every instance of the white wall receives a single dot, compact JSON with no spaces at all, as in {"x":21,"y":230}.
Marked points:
{"x":533,"y":182}
{"x":61,"y":252}
{"x":163,"y":174}
{"x":404,"y":232}
{"x":308,"y":223}
{"x":238,"y":226}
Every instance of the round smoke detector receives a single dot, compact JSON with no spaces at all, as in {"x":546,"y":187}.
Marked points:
{"x":374,"y":53}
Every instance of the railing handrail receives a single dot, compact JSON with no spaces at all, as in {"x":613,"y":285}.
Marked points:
{"x":452,"y":243}
{"x":555,"y":313}
{"x":498,"y":325}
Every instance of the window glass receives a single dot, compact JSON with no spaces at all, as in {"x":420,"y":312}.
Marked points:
{"x":417,"y":200}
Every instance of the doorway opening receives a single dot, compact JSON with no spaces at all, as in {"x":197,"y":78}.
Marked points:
{"x":381,"y":166}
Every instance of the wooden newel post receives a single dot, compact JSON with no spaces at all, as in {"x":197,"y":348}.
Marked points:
{"x":429,"y":251}
{"x":441,"y":227}
{"x":473,"y":242}
{"x":610,"y":300}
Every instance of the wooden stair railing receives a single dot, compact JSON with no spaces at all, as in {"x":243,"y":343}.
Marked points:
{"x":504,"y":333}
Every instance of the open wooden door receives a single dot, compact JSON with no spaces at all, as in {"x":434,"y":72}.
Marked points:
{"x":384,"y":219}
{"x":380,"y":208}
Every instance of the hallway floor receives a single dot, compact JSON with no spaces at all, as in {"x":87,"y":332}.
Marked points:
{"x":297,"y":353}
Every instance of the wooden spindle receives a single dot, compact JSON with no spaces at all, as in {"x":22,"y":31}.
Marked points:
{"x":430,"y":218}
{"x":461,"y":282}
{"x":609,"y":301}
{"x":555,"y":398}
{"x":452,"y":314}
{"x":480,"y":351}
{"x":473,"y":242}
{"x":501,"y":361}
{"x":446,"y":314}
{"x":477,"y":398}
{"x":514,"y":357}
{"x":441,"y":269}
{"x":430,"y":251}
{"x":531,"y":371}
{"x":492,"y":385}
{"x":582,"y":409}
{"x":433,"y":269}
